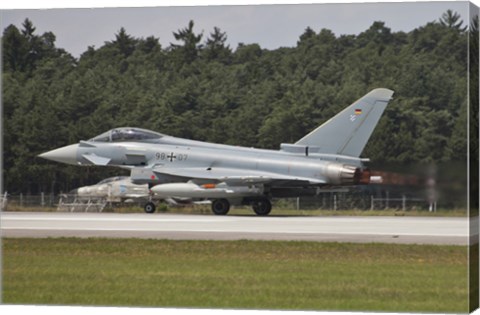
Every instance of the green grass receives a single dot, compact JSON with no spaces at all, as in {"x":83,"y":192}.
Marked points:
{"x":280,"y":211}
{"x":293,"y":212}
{"x":243,"y":210}
{"x":235,"y":274}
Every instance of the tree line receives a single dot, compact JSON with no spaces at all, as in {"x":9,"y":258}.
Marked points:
{"x":201,"y":88}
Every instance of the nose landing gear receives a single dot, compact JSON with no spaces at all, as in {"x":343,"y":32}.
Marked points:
{"x":149,"y":207}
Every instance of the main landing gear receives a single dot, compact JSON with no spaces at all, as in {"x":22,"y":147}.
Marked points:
{"x":261,"y":206}
{"x":220,"y":206}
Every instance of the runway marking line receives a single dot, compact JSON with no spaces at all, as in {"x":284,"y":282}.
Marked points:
{"x":110,"y":219}
{"x":227,"y":231}
{"x":225,"y":219}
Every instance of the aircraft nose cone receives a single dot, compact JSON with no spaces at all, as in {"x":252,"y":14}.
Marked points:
{"x":66,"y":154}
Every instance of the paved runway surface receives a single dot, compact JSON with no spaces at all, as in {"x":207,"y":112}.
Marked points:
{"x":408,"y":230}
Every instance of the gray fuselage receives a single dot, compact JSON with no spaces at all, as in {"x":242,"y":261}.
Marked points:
{"x":174,"y":153}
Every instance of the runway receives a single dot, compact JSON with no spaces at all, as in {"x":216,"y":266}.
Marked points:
{"x":401,"y":230}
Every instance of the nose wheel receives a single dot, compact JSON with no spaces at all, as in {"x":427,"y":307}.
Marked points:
{"x":149,"y":207}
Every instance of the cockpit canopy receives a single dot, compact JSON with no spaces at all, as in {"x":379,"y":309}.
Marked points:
{"x":127,"y":134}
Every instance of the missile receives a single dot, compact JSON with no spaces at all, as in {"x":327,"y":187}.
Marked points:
{"x":210,"y":190}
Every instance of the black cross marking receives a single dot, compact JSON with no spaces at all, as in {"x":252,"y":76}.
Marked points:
{"x":171,"y":157}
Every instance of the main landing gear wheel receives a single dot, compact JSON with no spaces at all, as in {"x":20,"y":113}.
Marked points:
{"x":262,"y":206}
{"x":220,"y":206}
{"x":149,"y":207}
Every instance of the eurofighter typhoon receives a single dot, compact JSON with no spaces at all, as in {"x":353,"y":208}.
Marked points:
{"x":231,"y":175}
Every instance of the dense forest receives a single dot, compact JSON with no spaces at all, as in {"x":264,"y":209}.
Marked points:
{"x":200,"y":88}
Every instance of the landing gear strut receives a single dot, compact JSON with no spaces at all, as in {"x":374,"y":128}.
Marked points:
{"x":262,"y":206}
{"x":220,"y":206}
{"x":149,"y":207}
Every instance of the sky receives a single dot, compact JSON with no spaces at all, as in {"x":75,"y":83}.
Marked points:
{"x":271,"y":26}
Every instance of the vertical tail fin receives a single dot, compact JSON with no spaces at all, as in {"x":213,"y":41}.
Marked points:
{"x":348,"y":132}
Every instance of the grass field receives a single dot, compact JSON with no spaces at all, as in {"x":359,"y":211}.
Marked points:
{"x":235,"y":274}
{"x":205,"y":209}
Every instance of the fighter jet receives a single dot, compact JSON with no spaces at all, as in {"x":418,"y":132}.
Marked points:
{"x":231,"y":175}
